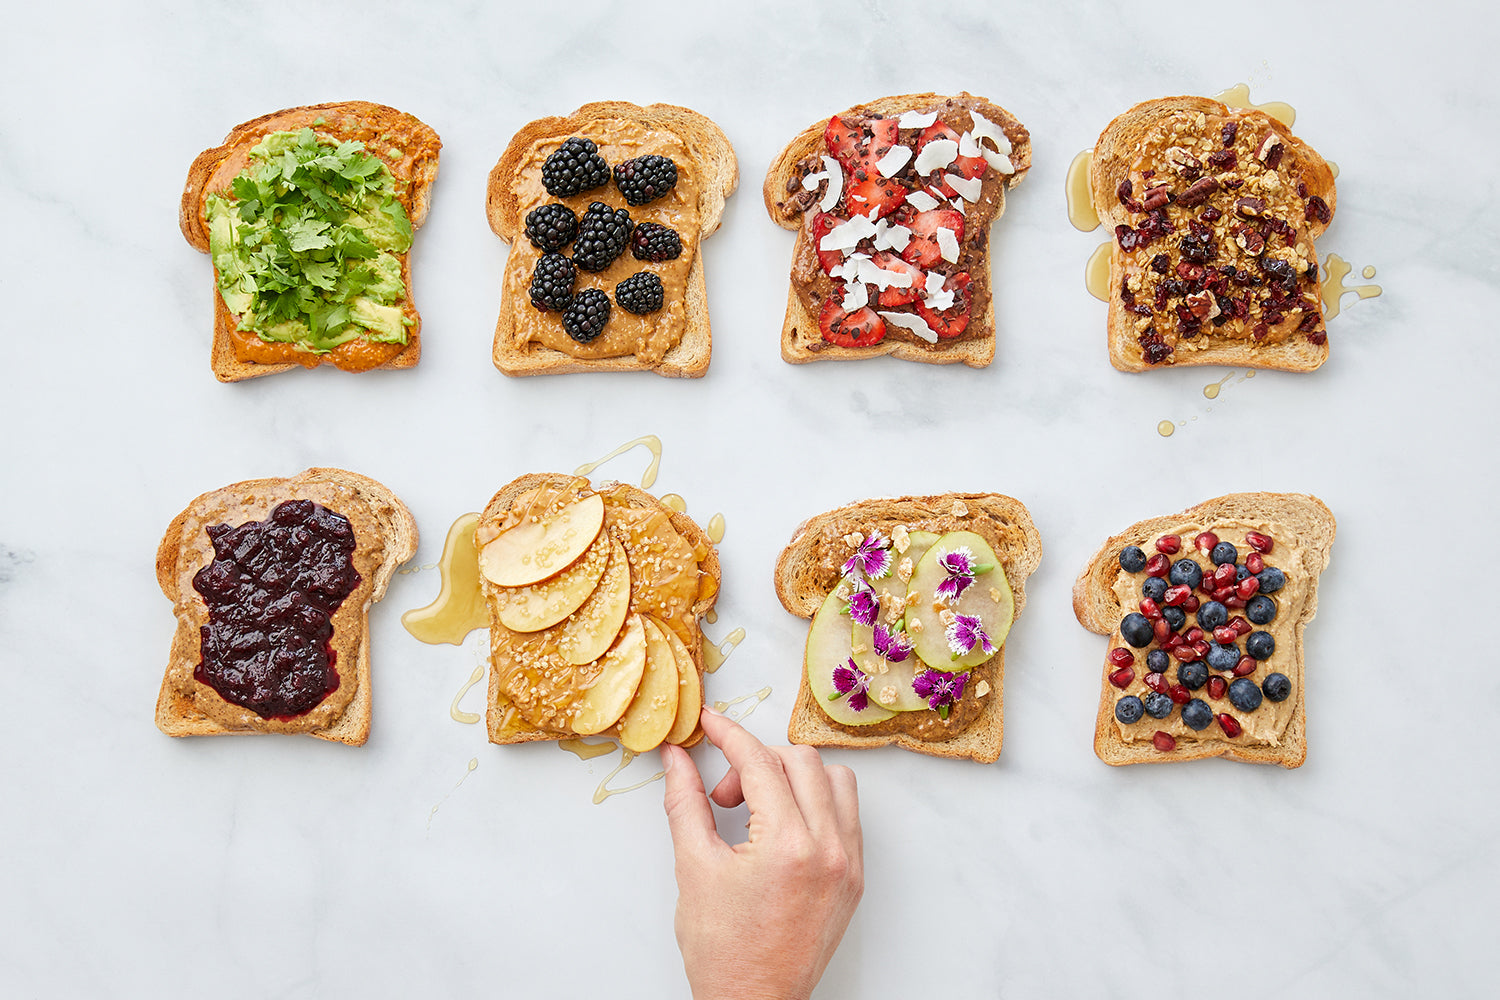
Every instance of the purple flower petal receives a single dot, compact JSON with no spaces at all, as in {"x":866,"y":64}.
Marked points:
{"x":872,"y":558}
{"x":959,"y":562}
{"x":894,"y":646}
{"x":952,"y":588}
{"x":964,"y":633}
{"x":854,"y":682}
{"x":863,"y":607}
{"x":940,"y":689}
{"x":845,"y":679}
{"x":859,"y":701}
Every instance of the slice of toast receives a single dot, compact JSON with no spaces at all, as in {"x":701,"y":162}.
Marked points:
{"x":535,"y":495}
{"x":409,"y":150}
{"x":801,"y":192}
{"x":1301,"y":531}
{"x":385,"y":536}
{"x":1214,"y":212}
{"x":675,"y":340}
{"x":810,"y":567}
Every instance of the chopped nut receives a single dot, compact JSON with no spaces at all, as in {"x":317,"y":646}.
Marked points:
{"x":887,"y":695}
{"x":994,"y":595}
{"x":960,"y":509}
{"x":859,"y":648}
{"x":1202,"y":304}
{"x":1198,"y":192}
{"x":901,"y":538}
{"x":854,"y":539}
{"x":982,"y":688}
{"x":947,"y":616}
{"x":914,"y":625}
{"x":904,"y":570}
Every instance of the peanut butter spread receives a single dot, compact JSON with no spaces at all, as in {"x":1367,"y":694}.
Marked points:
{"x":647,"y":337}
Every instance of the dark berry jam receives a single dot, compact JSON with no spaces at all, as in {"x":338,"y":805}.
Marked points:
{"x":271,"y":591}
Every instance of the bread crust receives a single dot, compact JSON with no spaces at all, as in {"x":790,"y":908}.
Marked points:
{"x":714,"y":162}
{"x":413,"y":172}
{"x":1098,"y":609}
{"x":1115,"y":151}
{"x":801,"y":338}
{"x":386,"y":537}
{"x":810,"y":567}
{"x":503,"y":722}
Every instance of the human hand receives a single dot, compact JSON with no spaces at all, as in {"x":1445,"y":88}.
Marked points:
{"x":762,"y":918}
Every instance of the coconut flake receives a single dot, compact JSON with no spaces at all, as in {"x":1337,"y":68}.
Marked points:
{"x":898,"y":237}
{"x":941,"y":301}
{"x":947,"y":242}
{"x":936,"y":154}
{"x":933,"y":285}
{"x":967,"y":187}
{"x":922,"y":201}
{"x":891,"y":163}
{"x":856,"y":296}
{"x":882,"y":234}
{"x":916,"y":119}
{"x":846,"y":236}
{"x":912,"y":322}
{"x":835,"y":183}
{"x":999,"y":161}
{"x":967,"y":145}
{"x":986,"y":129}
{"x":811,"y":181}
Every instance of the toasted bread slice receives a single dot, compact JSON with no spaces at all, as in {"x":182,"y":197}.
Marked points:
{"x":793,"y":204}
{"x":537,"y":494}
{"x":409,"y":150}
{"x":385,"y":536}
{"x":810,"y":567}
{"x":675,"y":340}
{"x":1255,"y":193}
{"x":1301,"y":529}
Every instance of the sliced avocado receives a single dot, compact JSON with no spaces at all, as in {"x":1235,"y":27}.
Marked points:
{"x":385,"y":324}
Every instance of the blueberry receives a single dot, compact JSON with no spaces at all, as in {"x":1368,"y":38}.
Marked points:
{"x":1277,"y":687}
{"x":1222,"y":657}
{"x":1196,"y":715}
{"x":1192,"y":675}
{"x":1224,"y":552}
{"x":1271,"y":580}
{"x":1260,"y":609}
{"x":1175,"y":617}
{"x":1132,"y":559}
{"x":1240,"y":572}
{"x":1244,"y":694}
{"x":1129,"y":709}
{"x":1136,"y":628}
{"x":1158,"y":705}
{"x":1154,"y":587}
{"x":1186,"y":572}
{"x":1157,"y":661}
{"x":1260,"y":645}
{"x":1212,"y":614}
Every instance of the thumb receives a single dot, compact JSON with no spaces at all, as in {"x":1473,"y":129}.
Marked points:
{"x":689,"y":816}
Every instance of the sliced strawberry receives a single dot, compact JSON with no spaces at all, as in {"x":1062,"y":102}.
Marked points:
{"x":884,"y":133}
{"x":893,"y":296}
{"x":843,"y":141}
{"x":965,"y":166}
{"x":880,"y":193}
{"x":859,"y":142}
{"x":822,"y":224}
{"x":923,"y":249}
{"x":861,"y":328}
{"x":949,"y":323}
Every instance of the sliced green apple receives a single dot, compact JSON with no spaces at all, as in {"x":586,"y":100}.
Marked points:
{"x":988,"y":598}
{"x":828,"y":648}
{"x":544,"y":604}
{"x":534,"y":550}
{"x":623,"y":665}
{"x":649,"y":717}
{"x":890,"y":683}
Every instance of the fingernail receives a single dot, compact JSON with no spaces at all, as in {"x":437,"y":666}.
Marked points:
{"x":710,"y":710}
{"x":668,"y":758}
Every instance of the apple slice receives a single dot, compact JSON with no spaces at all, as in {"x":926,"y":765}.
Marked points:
{"x":828,"y":648}
{"x":988,"y":598}
{"x":620,"y":674}
{"x":542,"y":605}
{"x":887,"y":678}
{"x":650,"y":715}
{"x":689,"y":690}
{"x":534,"y":550}
{"x":592,"y":629}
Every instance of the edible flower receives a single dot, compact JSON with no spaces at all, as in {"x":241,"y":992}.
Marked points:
{"x":940,"y":689}
{"x":854,"y":682}
{"x":964,"y":633}
{"x":864,"y":606}
{"x":873,"y":557}
{"x":894,"y":645}
{"x":961,"y":569}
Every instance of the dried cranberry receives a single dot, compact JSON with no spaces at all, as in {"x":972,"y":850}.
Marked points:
{"x":1127,"y":237}
{"x":1225,"y":160}
{"x":1309,"y":321}
{"x":1318,"y":337}
{"x":1197,"y":249}
{"x":1153,"y":348}
{"x":1159,"y":263}
{"x":1198,"y":229}
{"x":1211,"y":214}
{"x":1123,"y":192}
{"x":1126,"y":295}
{"x":1229,"y":131}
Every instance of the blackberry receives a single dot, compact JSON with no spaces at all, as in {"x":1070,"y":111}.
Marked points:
{"x":575,"y":166}
{"x":585,"y":318}
{"x":603,"y":233}
{"x":640,"y":293}
{"x":551,"y":227}
{"x":655,"y":243}
{"x":552,"y":282}
{"x":645,"y":178}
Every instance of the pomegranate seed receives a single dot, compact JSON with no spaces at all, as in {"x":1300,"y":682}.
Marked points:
{"x":1176,"y":595}
{"x":1165,"y":742}
{"x":1254,"y":562}
{"x":1158,"y":565}
{"x":1224,"y":635}
{"x":1222,"y":594}
{"x":1234,"y":600}
{"x":1201,"y":648}
{"x":1218,"y":687}
{"x":1179,"y":694}
{"x":1160,"y":630}
{"x":1226,"y":722}
{"x":1245,"y":667}
{"x":1121,"y":656}
{"x":1246,"y":588}
{"x":1157,"y":682}
{"x":1193,"y":634}
{"x":1259,"y":542}
{"x":1171,"y":642}
{"x":1170,"y":544}
{"x":1121,"y":678}
{"x":1206,"y":542}
{"x":1191,"y":604}
{"x":1241,"y":626}
{"x":1185,"y":654}
{"x":1150,"y":609}
{"x":1225,"y":574}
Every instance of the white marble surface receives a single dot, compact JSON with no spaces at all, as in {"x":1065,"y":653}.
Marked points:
{"x":137,"y":865}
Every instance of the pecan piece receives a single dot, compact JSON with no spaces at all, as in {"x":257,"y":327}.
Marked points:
{"x":1198,"y":192}
{"x":1156,"y":197}
{"x":1249,"y":208}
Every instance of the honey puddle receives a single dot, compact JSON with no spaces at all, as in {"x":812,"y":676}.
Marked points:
{"x":715,"y":653}
{"x":1096,"y":272}
{"x":459,"y":608}
{"x":1080,"y":200}
{"x":473,"y":765}
{"x":675,"y":502}
{"x":584,"y":750}
{"x":1335,"y":270}
{"x":458,"y":715}
{"x":715,"y":529}
{"x":1165,"y":428}
{"x":650,"y":441}
{"x":1238,"y":96}
{"x":724,"y":706}
{"x":604,"y":791}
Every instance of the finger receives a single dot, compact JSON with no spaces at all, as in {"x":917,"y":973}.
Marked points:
{"x":763,"y":782}
{"x":728,"y":793}
{"x":809,"y":782}
{"x":846,"y":806}
{"x":688,"y":814}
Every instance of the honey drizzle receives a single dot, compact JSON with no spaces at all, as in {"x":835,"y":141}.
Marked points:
{"x":603,"y":791}
{"x":458,"y":715}
{"x":586,"y":751}
{"x":1238,"y":96}
{"x":1165,"y":428}
{"x":1080,"y":195}
{"x":459,"y":607}
{"x":715,"y":653}
{"x":675,"y":502}
{"x":473,"y":765}
{"x":1335,"y":270}
{"x":1211,"y":391}
{"x":650,"y":441}
{"x":716,"y":529}
{"x":759,"y":696}
{"x":1096,"y":272}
